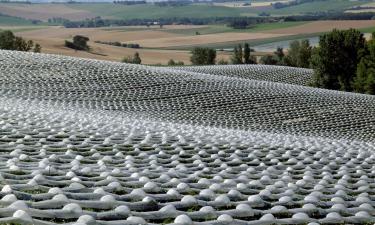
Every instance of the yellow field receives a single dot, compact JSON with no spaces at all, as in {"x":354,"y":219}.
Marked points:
{"x":152,"y":40}
{"x":44,"y":11}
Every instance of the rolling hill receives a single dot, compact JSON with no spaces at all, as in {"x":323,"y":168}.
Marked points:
{"x":96,"y":142}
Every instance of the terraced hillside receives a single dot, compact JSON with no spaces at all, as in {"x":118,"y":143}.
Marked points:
{"x":94,"y":142}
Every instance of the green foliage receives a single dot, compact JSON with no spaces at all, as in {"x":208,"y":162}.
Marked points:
{"x":37,"y":48}
{"x":268,"y":60}
{"x":171,"y":62}
{"x":277,"y":58}
{"x":222,"y":62}
{"x":8,"y":41}
{"x":364,"y":81}
{"x":79,"y":43}
{"x":203,"y":56}
{"x":335,"y":60}
{"x":241,"y":56}
{"x":299,"y":54}
{"x":237,"y":55}
{"x":136,"y":59}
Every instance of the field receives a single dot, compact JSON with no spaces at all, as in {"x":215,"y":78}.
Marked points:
{"x":176,"y":41}
{"x":148,"y":11}
{"x":96,"y":142}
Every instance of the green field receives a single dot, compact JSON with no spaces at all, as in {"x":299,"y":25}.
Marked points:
{"x":149,"y":11}
{"x":204,"y":10}
{"x":13,"y":21}
{"x":311,"y":7}
{"x":214,"y":29}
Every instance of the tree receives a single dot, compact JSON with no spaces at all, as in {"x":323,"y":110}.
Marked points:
{"x":279,"y":56}
{"x":9,"y":41}
{"x":364,"y":81}
{"x":240,"y":54}
{"x":79,"y":43}
{"x":203,"y":56}
{"x":222,"y":62}
{"x":37,"y":48}
{"x":237,"y":55}
{"x":246,"y":53}
{"x":248,"y":58}
{"x":335,"y":60}
{"x":211,"y":56}
{"x":299,"y":54}
{"x":268,"y":60}
{"x":136,"y":59}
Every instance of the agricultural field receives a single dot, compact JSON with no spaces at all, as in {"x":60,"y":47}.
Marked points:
{"x":149,"y":11}
{"x":95,"y":142}
{"x":159,"y":45}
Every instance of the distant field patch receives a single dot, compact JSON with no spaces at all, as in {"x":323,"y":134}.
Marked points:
{"x":44,"y":11}
{"x":316,"y":6}
{"x":13,"y":21}
{"x":149,"y":11}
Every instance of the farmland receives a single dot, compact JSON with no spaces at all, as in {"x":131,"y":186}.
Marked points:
{"x":148,"y":11}
{"x":97,"y":142}
{"x":175,"y":41}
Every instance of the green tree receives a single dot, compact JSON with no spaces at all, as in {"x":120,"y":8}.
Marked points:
{"x":171,"y":62}
{"x":299,"y":54}
{"x":335,"y":60}
{"x":203,"y":56}
{"x":246,"y":53}
{"x":222,"y":62}
{"x":240,"y":54}
{"x":237,"y":56}
{"x":7,"y":40}
{"x":211,"y":56}
{"x":268,"y":60}
{"x":79,"y":43}
{"x":364,"y":81}
{"x":137,"y":58}
{"x":279,"y":56}
{"x":37,"y":48}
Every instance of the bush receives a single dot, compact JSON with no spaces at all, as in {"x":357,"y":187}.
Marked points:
{"x":79,"y":43}
{"x":9,"y":41}
{"x":136,"y":59}
{"x":203,"y":56}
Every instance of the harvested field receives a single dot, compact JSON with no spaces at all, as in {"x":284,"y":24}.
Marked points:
{"x":44,"y":11}
{"x":204,"y":39}
{"x":98,"y":34}
{"x":324,"y":26}
{"x":113,"y":53}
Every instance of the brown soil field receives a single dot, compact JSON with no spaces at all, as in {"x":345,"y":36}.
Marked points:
{"x":113,"y":53}
{"x":44,"y":11}
{"x":204,"y":39}
{"x":97,"y":34}
{"x":323,"y":26}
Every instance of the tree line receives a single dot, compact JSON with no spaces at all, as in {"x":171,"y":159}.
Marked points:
{"x":8,"y":41}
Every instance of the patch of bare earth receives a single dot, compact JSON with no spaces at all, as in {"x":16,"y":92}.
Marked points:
{"x":44,"y":11}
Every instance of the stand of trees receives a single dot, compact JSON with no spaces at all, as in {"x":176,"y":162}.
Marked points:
{"x":171,"y":62}
{"x":243,"y":56}
{"x":136,"y":59}
{"x":203,"y":56}
{"x":8,"y":41}
{"x":335,"y":60}
{"x":79,"y":43}
{"x":119,"y":44}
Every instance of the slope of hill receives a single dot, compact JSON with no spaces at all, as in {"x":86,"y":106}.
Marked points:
{"x":95,"y":142}
{"x":281,"y":74}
